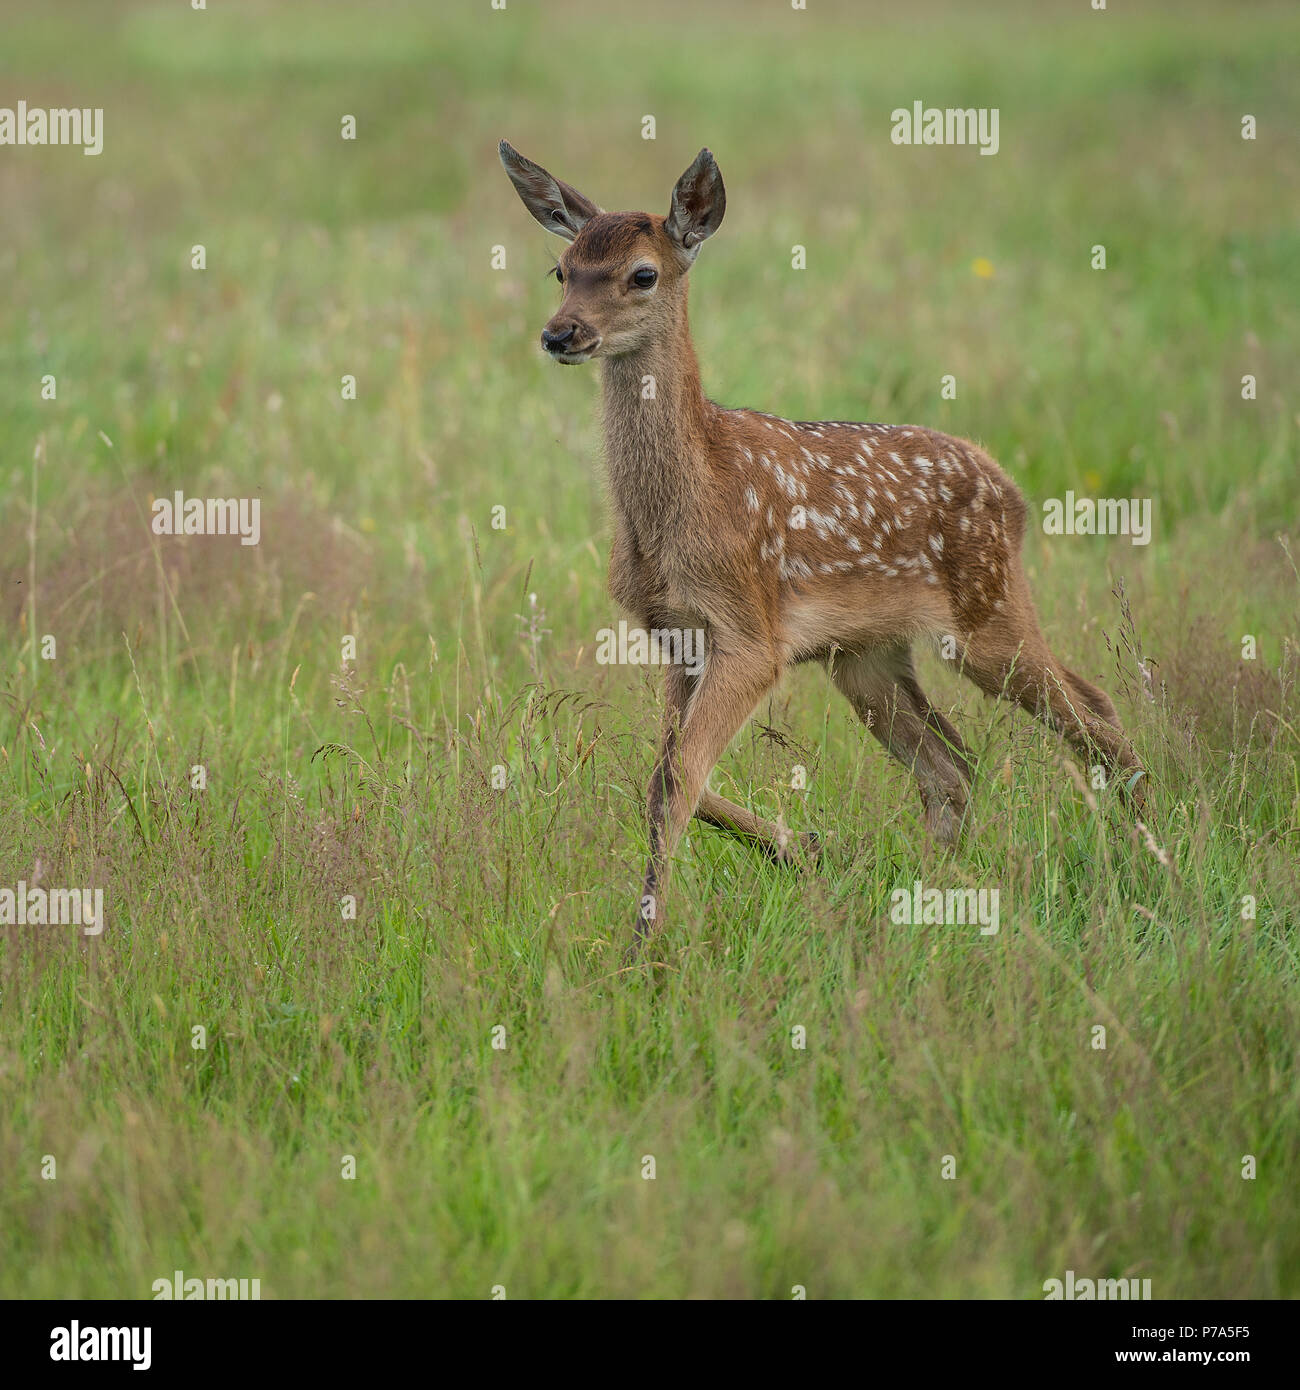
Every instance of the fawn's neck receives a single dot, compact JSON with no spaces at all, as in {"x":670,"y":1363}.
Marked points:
{"x":656,"y":422}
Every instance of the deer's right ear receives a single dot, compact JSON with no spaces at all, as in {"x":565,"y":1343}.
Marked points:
{"x":699,"y":200}
{"x":558,"y":207}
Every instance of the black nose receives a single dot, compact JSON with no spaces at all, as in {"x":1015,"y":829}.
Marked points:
{"x":554,"y":342}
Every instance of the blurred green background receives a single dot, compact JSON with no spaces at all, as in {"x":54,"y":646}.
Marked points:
{"x":482,"y":908}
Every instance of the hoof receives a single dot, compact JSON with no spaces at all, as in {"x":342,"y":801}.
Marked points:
{"x":802,"y":851}
{"x":639,"y":953}
{"x":943,"y":824}
{"x":1136,"y":788}
{"x":644,"y":930}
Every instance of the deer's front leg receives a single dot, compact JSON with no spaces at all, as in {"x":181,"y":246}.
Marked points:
{"x":693,"y":739}
{"x":679,"y":687}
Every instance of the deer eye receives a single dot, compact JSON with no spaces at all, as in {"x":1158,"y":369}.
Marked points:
{"x":558,"y":273}
{"x":644,"y":278}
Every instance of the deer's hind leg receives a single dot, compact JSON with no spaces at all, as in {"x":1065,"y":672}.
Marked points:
{"x":1009,"y":657}
{"x":881,"y":686}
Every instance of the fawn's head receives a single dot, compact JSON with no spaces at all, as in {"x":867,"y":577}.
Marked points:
{"x":623,"y":273}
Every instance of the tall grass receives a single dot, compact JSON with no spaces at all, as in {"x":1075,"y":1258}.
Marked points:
{"x":952,"y":1125}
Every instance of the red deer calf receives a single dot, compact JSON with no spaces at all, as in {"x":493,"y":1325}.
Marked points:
{"x":788,"y":541}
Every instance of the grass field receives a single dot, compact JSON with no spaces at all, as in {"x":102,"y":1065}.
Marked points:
{"x":369,"y":776}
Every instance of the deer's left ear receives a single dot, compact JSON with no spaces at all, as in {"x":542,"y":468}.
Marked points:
{"x":699,"y":200}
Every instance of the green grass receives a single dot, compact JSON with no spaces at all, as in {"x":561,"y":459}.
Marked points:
{"x":482,"y":909}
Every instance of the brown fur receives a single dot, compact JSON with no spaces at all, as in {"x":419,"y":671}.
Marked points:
{"x":908,"y":532}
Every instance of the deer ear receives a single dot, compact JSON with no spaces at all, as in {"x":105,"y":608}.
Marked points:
{"x":699,"y":200}
{"x":558,"y":207}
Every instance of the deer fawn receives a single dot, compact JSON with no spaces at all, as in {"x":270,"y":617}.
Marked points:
{"x":786,"y":540}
